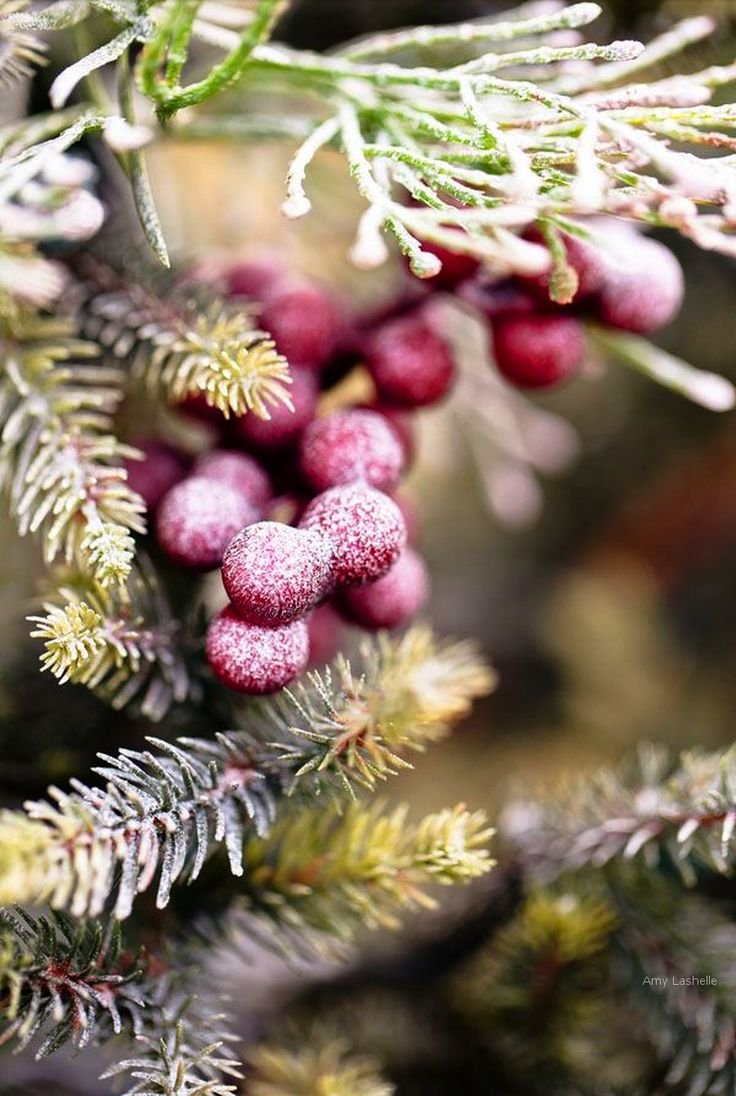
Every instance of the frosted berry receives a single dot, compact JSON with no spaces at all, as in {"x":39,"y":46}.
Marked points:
{"x":366,"y":529}
{"x":643,"y":287}
{"x":402,"y":423}
{"x":390,"y":601}
{"x":303,"y":321}
{"x":152,"y":477}
{"x":351,"y":446}
{"x":256,"y":278}
{"x":198,"y":518}
{"x":237,"y":470}
{"x":326,"y":629}
{"x":274,"y":573}
{"x":411,"y":366}
{"x":284,"y":426}
{"x":538,"y":351}
{"x":252,"y":659}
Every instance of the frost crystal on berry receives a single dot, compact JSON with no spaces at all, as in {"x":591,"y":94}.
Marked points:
{"x":273,"y":573}
{"x":365,"y":526}
{"x":239,"y":471}
{"x":392,"y":600}
{"x":251,"y":659}
{"x":198,"y":518}
{"x":351,"y":446}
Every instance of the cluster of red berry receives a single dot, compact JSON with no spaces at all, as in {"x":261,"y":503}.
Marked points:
{"x":624,"y":281}
{"x":298,"y":509}
{"x":339,"y":549}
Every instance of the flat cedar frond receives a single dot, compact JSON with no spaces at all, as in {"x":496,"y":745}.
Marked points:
{"x":329,"y":873}
{"x":314,"y":1065}
{"x":20,"y":51}
{"x":353,"y":725}
{"x":660,"y":808}
{"x":120,"y":644}
{"x":59,"y":462}
{"x":182,"y":346}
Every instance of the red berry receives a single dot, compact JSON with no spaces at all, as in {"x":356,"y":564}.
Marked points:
{"x":351,"y":446}
{"x":255,"y":278}
{"x":239,"y":471}
{"x":198,"y":518}
{"x":495,"y":299}
{"x":325,"y":627}
{"x":252,"y":659}
{"x":643,"y":286}
{"x":284,"y":426}
{"x":538,"y":351}
{"x":366,"y":529}
{"x":152,"y":477}
{"x":411,"y":366}
{"x":274,"y":573}
{"x":402,"y":423}
{"x":390,"y":601}
{"x":304,"y":323}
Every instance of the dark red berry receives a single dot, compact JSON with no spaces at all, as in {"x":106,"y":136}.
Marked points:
{"x":198,"y":518}
{"x":366,"y":529}
{"x":643,"y":286}
{"x":152,"y":477}
{"x":195,"y":406}
{"x":498,"y":298}
{"x":304,"y":322}
{"x":326,"y":628}
{"x":237,"y":470}
{"x":538,"y":351}
{"x":390,"y":601}
{"x":285,"y":425}
{"x":402,"y":423}
{"x":411,"y":366}
{"x":274,"y":573}
{"x":252,"y":659}
{"x":351,"y":446}
{"x":256,"y":278}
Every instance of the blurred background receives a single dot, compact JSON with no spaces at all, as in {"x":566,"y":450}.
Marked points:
{"x":608,"y":605}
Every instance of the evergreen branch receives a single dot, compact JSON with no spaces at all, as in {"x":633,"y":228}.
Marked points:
{"x":325,"y":873}
{"x":663,"y":809}
{"x":20,"y":51}
{"x":61,"y":980}
{"x":181,"y":346}
{"x":160,"y":812}
{"x":122,"y":644}
{"x":315,"y":1065}
{"x":353,"y":726}
{"x":672,"y":957}
{"x":59,"y":462}
{"x":66,"y":981}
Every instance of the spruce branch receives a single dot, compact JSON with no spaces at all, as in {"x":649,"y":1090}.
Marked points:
{"x":329,"y":874}
{"x":59,"y":463}
{"x":660,"y":808}
{"x":182,"y":346}
{"x":167,"y":809}
{"x":315,"y":1064}
{"x":354,"y":724}
{"x":62,"y":980}
{"x":65,"y":981}
{"x":121,"y":643}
